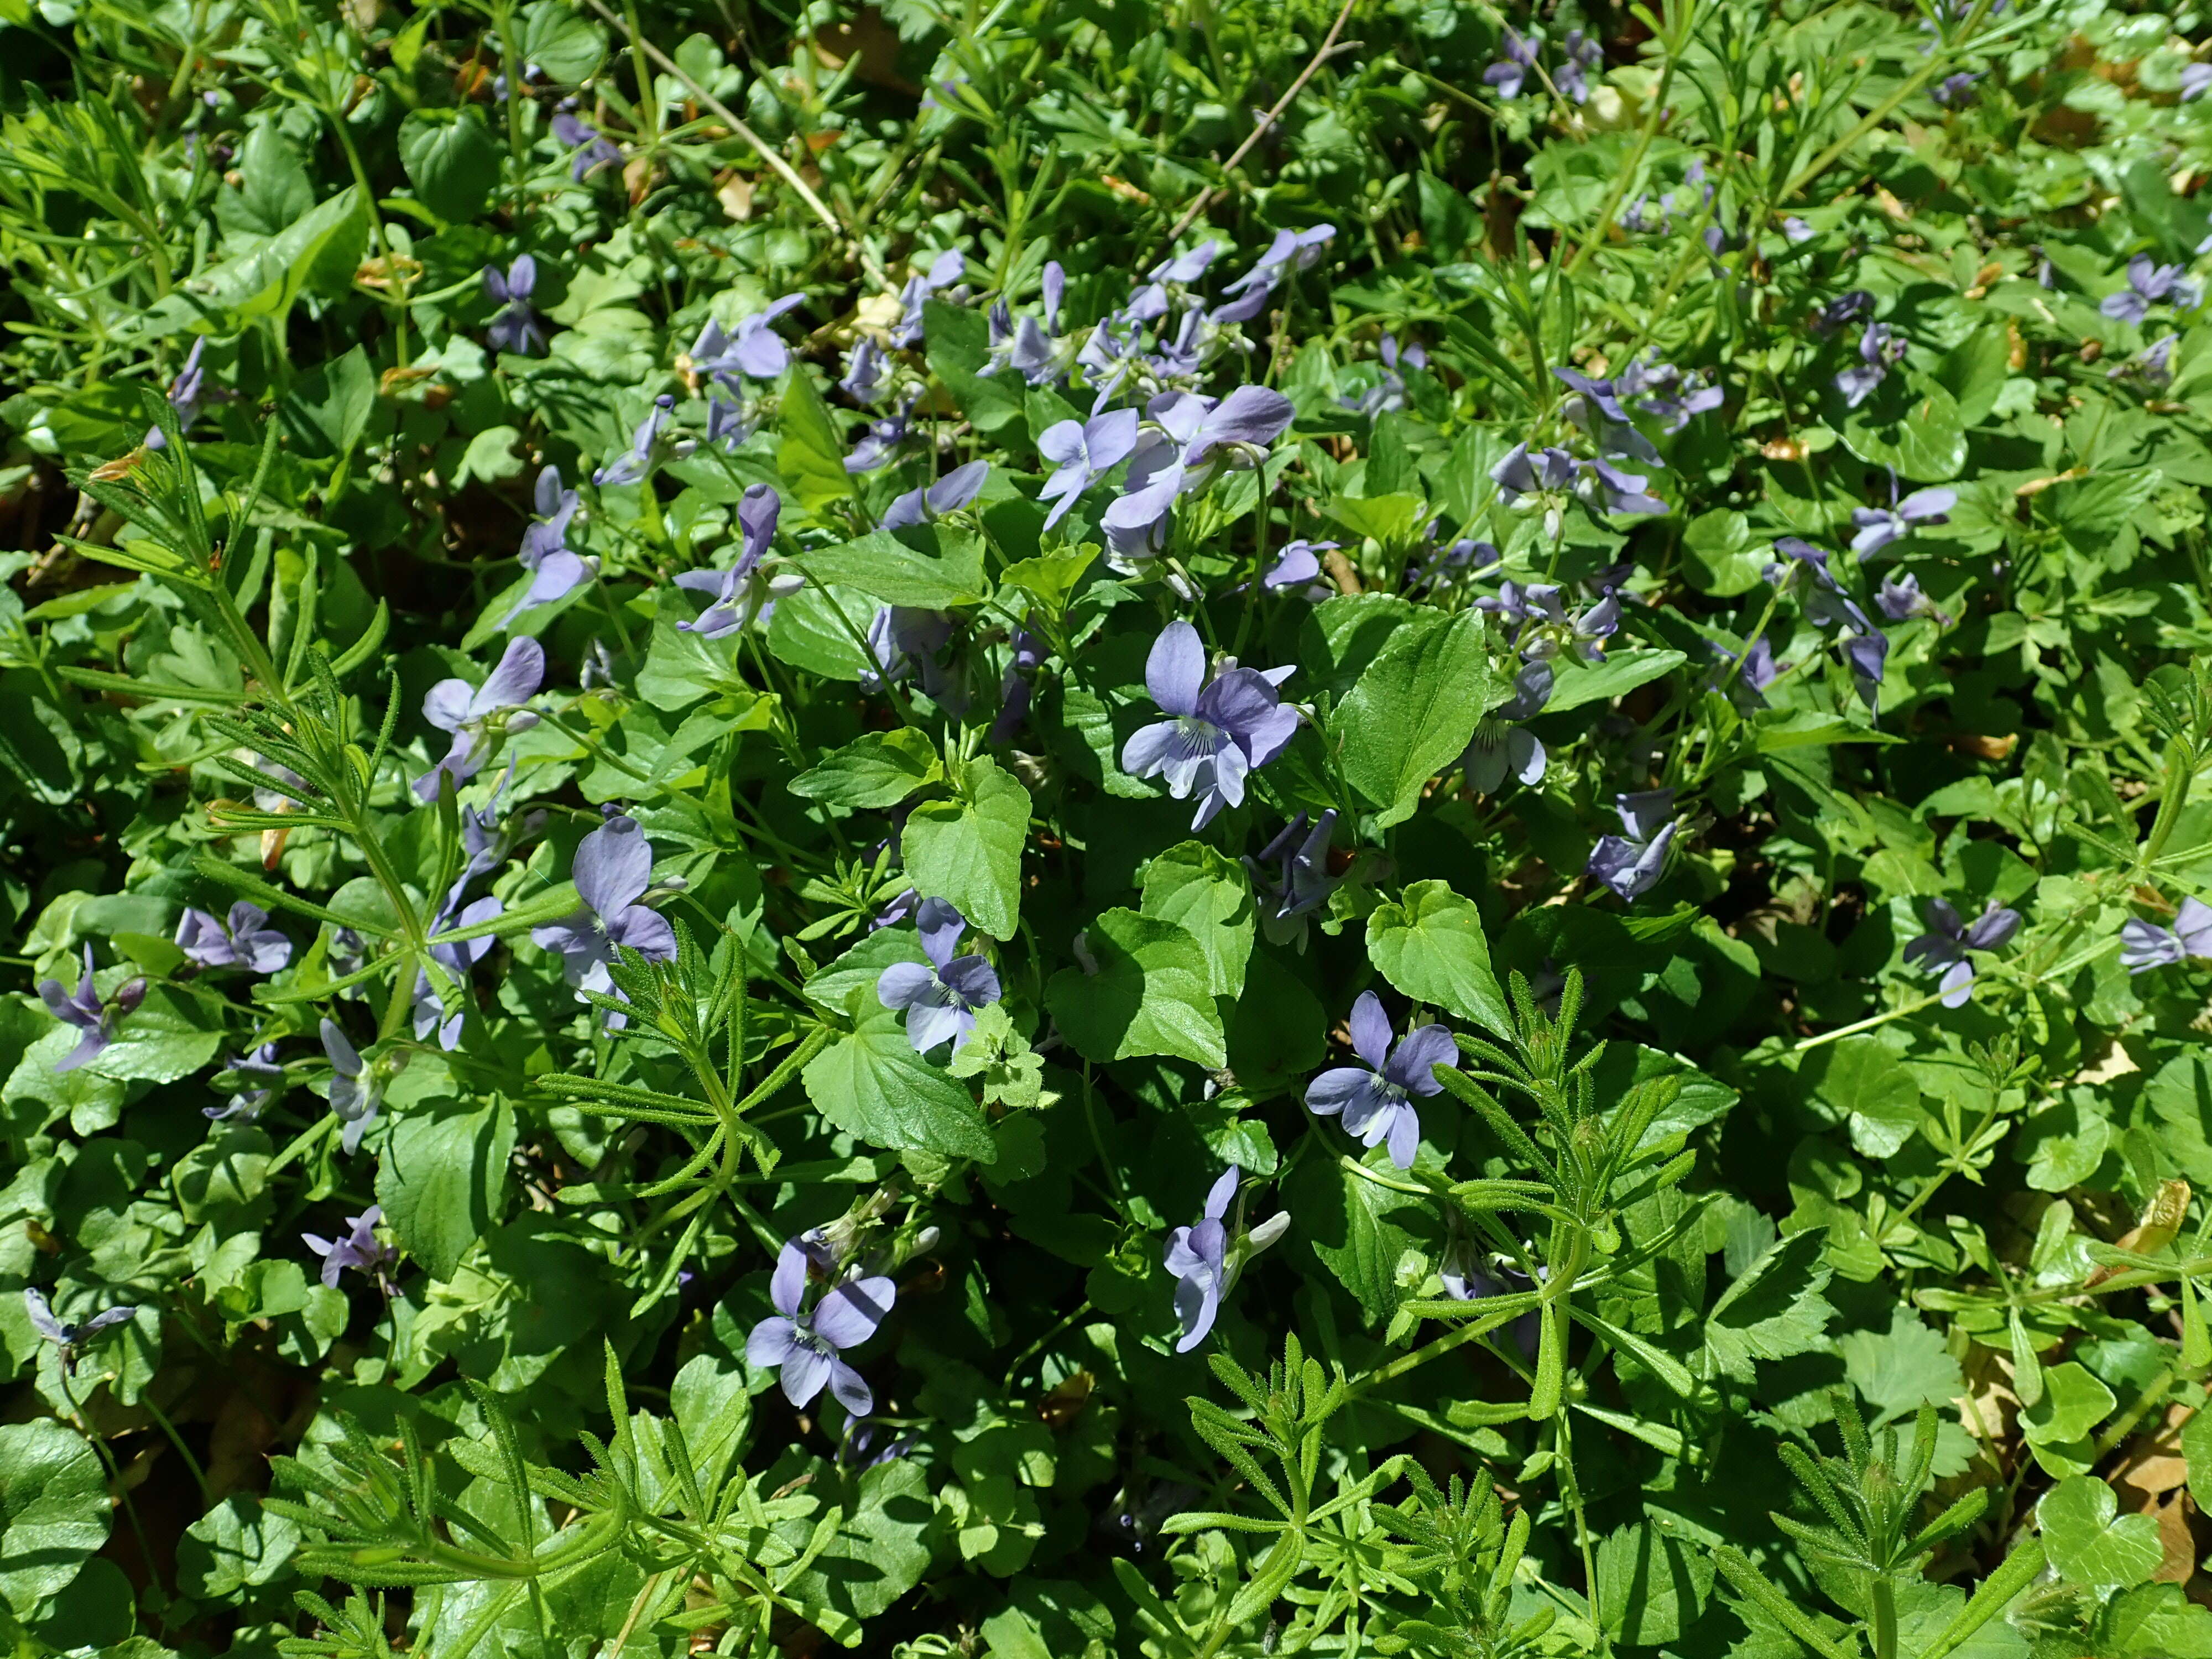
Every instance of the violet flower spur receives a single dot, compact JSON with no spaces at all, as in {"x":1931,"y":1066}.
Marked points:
{"x":1305,"y":883}
{"x":476,"y":715}
{"x":357,"y":1088}
{"x":955,"y":491}
{"x":69,"y":1339}
{"x":555,"y":572}
{"x":940,"y":998}
{"x":186,"y":393}
{"x":743,"y":595}
{"x":1503,"y":746}
{"x":1944,"y":948}
{"x":1879,"y":347}
{"x":244,"y":940}
{"x":2145,"y":945}
{"x":1878,"y":526}
{"x":1376,"y":1103}
{"x":2149,"y":284}
{"x":807,"y":1348}
{"x":455,"y":960}
{"x":1510,"y":72}
{"x":247,"y":1104}
{"x":1631,"y":863}
{"x":84,"y":1009}
{"x":1219,"y":730}
{"x":518,"y":328}
{"x":612,"y":868}
{"x":1081,"y":452}
{"x":358,"y":1248}
{"x":648,"y":447}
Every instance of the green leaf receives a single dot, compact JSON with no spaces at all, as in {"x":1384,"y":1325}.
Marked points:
{"x":451,"y":160}
{"x":1775,"y":1310}
{"x":1051,"y":579}
{"x":1651,"y":1583}
{"x":2090,"y":1542}
{"x":968,"y":850}
{"x":1358,"y":1228}
{"x":892,"y":567}
{"x":326,"y":412}
{"x":1861,"y":1082}
{"x":1150,"y":994}
{"x":1210,"y":896}
{"x":236,"y":1546}
{"x":821,"y":631}
{"x":319,"y":250}
{"x":1414,"y":708}
{"x":1897,"y":1370}
{"x":53,"y":1509}
{"x":1430,"y":945}
{"x":171,"y":1035}
{"x":443,"y":1180}
{"x":870,"y":1084}
{"x":1578,"y":683}
{"x":809,"y":456}
{"x":2075,"y":1401}
{"x":879,"y":769}
{"x":1918,"y":434}
{"x":959,"y":339}
{"x":680,"y":667}
{"x":1277,"y":1032}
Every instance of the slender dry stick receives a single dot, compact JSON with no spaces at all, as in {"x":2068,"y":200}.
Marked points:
{"x":1329,"y":49}
{"x":782,"y":168}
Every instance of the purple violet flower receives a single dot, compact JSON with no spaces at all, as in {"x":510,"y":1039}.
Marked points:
{"x":943,"y":271}
{"x":933,"y":502}
{"x":743,"y":594}
{"x":591,"y":150}
{"x":753,"y":347}
{"x":882,"y":439}
{"x":1954,"y":91}
{"x":1297,"y":568}
{"x":1081,"y":452}
{"x":1879,"y":347}
{"x":1377,"y":1104}
{"x":186,"y":392}
{"x":807,"y":1347}
{"x":1198,"y":1257}
{"x":1220,"y":730}
{"x":1878,"y":526}
{"x":2145,"y":945}
{"x":1508,"y":75}
{"x":1843,"y":309}
{"x":477,"y":715}
{"x":518,"y":328}
{"x":1305,"y":883}
{"x":1631,"y":863}
{"x":455,"y":960}
{"x":245,"y":940}
{"x":247,"y":1105}
{"x":2149,"y":284}
{"x":359,"y":1248}
{"x":612,"y":868}
{"x":1017,"y":686}
{"x":1583,"y":55}
{"x":555,"y":572}
{"x":1943,"y":948}
{"x":648,"y":447}
{"x":1290,"y":251}
{"x":357,"y":1088}
{"x":69,"y":1338}
{"x":1503,"y":746}
{"x":2194,"y":79}
{"x":867,"y":371}
{"x":85,"y":1009}
{"x":1900,"y":597}
{"x":940,"y":998}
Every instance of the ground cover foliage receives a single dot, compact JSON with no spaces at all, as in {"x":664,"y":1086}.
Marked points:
{"x":1103,"y":828}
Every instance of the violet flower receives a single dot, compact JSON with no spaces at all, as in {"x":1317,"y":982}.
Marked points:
{"x":359,"y":1248}
{"x":1519,"y":473}
{"x":1290,"y":250}
{"x":1031,"y":349}
{"x":867,"y":371}
{"x":1303,"y":886}
{"x":1188,"y":436}
{"x":1954,"y":91}
{"x":2145,"y":945}
{"x":247,"y":1105}
{"x":1510,"y":72}
{"x":1297,"y":567}
{"x":186,"y":392}
{"x":882,"y":439}
{"x":518,"y":328}
{"x":1081,"y":452}
{"x":1879,"y":347}
{"x":1900,"y":597}
{"x":899,"y":638}
{"x":753,"y":347}
{"x":1843,"y":309}
{"x":940,"y":998}
{"x":943,"y":271}
{"x":1376,"y":1103}
{"x":1943,"y":948}
{"x":933,"y":502}
{"x":591,"y":150}
{"x":85,"y":1009}
{"x":476,"y":715}
{"x":245,"y":940}
{"x":357,"y":1088}
{"x":1220,"y":730}
{"x":1631,"y":863}
{"x":454,"y":959}
{"x":1878,"y":526}
{"x":743,"y":594}
{"x":1502,"y":744}
{"x":612,"y":868}
{"x":554,"y":571}
{"x":649,"y":445}
{"x":1583,"y":54}
{"x":807,"y":1347}
{"x":2149,"y":284}
{"x":1198,"y":1257}
{"x":69,"y":1338}
{"x":1796,"y":230}
{"x":1150,"y":301}
{"x":1619,"y":492}
{"x":1016,"y":687}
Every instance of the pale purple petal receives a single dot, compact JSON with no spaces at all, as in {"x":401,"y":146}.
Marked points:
{"x":613,"y":866}
{"x":849,"y":1315}
{"x":771,"y":1342}
{"x":1224,"y":1190}
{"x":786,"y":1286}
{"x":851,"y":1389}
{"x":904,"y":984}
{"x":1412,"y":1067}
{"x":1349,"y":1089}
{"x":644,"y":930}
{"x":1370,"y":1030}
{"x":805,"y":1369}
{"x":1176,"y":669}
